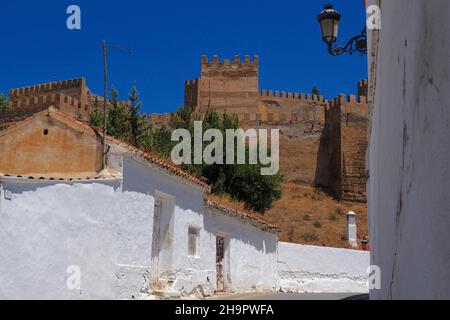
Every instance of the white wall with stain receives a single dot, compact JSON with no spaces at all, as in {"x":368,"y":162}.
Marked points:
{"x":303,"y":268}
{"x":48,"y":227}
{"x":107,"y":230}
{"x":409,"y":152}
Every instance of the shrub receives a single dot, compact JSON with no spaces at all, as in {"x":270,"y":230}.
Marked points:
{"x":317,"y":224}
{"x":333,"y":217}
{"x":309,"y":236}
{"x":291,"y":235}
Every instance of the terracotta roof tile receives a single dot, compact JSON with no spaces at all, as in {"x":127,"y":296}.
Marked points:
{"x":171,"y":168}
{"x":219,"y":204}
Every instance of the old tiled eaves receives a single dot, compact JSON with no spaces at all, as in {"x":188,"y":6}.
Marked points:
{"x":250,"y":216}
{"x":78,"y":125}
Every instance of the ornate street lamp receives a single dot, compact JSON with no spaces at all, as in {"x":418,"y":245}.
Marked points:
{"x":329,"y":26}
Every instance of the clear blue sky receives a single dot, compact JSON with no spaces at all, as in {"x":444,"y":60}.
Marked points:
{"x":168,"y":38}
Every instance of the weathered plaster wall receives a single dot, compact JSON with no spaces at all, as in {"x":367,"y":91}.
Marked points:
{"x":409,"y":153}
{"x":319,"y":269}
{"x":248,"y":247}
{"x":46,"y":145}
{"x":47,"y":227}
{"x":250,"y":253}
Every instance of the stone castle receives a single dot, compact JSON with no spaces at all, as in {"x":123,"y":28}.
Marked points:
{"x":334,"y":132}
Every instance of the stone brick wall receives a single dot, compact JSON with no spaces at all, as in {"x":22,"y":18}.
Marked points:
{"x":226,"y":85}
{"x":346,"y":131}
{"x":328,"y":139}
{"x":44,"y":145}
{"x":70,"y":96}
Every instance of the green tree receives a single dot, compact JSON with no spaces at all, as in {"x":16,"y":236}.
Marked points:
{"x":4,"y":103}
{"x":162,"y":143}
{"x":315,"y":90}
{"x":117,"y":121}
{"x":135,"y":120}
{"x":96,"y":115}
{"x":242,"y":182}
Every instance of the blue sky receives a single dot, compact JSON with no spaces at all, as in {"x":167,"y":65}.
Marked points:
{"x":168,"y":38}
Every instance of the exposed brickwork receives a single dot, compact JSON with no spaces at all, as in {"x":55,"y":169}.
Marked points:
{"x":69,"y":96}
{"x":326,"y":139}
{"x":346,"y":131}
{"x":41,"y":144}
{"x":323,"y":142}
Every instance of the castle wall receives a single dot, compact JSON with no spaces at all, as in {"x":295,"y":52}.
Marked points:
{"x":70,"y":96}
{"x":191,"y":93}
{"x":283,"y":107}
{"x":347,"y":122}
{"x":230,"y":86}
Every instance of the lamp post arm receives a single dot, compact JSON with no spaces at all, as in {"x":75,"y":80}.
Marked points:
{"x":356,"y":44}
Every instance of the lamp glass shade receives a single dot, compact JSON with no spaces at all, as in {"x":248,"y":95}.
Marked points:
{"x":329,"y":24}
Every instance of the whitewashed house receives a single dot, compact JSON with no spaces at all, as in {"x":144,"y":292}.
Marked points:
{"x":68,"y":231}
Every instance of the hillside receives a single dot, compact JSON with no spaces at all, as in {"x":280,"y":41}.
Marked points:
{"x":306,"y":214}
{"x":309,"y":216}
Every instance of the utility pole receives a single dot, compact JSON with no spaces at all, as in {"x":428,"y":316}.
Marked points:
{"x":105,"y":95}
{"x":105,"y":101}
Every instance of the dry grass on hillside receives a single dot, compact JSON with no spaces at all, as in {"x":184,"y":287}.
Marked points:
{"x":309,"y":216}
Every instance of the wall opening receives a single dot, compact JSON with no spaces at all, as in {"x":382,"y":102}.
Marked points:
{"x":162,"y":240}
{"x":220,"y":255}
{"x":193,"y":241}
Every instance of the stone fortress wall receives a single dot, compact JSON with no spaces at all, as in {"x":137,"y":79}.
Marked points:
{"x":331,"y":136}
{"x":69,"y":96}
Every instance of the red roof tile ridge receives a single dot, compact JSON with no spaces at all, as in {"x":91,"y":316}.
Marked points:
{"x":214,"y":201}
{"x":149,"y":157}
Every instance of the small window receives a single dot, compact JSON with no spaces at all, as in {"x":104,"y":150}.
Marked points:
{"x":193,"y":235}
{"x":45,"y":132}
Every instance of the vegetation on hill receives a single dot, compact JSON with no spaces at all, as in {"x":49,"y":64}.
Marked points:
{"x":308,"y":215}
{"x":4,"y":102}
{"x":241,"y":182}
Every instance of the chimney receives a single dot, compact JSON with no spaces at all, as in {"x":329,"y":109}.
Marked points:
{"x":350,"y":232}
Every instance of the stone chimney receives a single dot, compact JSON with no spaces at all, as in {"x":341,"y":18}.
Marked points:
{"x":350,"y":232}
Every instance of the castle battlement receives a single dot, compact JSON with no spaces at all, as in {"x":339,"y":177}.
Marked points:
{"x":348,"y":104}
{"x":363,"y":88}
{"x":291,"y":95}
{"x":46,"y":87}
{"x":236,"y":60}
{"x":191,"y":82}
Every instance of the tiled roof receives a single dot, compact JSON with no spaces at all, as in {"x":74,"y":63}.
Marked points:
{"x":169,"y":167}
{"x":163,"y":164}
{"x":64,"y":176}
{"x":251,"y":216}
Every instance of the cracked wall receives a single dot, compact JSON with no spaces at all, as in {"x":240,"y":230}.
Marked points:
{"x":409,"y":151}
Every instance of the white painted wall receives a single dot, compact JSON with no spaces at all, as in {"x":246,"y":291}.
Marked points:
{"x":304,"y":268}
{"x":248,"y":247}
{"x":409,"y":155}
{"x":106,"y":229}
{"x":250,"y":256}
{"x":48,"y":227}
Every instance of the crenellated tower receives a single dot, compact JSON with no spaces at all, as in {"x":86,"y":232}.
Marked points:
{"x":226,"y":85}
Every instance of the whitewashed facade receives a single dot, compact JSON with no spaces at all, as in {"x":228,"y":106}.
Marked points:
{"x":409,"y":150}
{"x":144,"y":227}
{"x":108,"y":230}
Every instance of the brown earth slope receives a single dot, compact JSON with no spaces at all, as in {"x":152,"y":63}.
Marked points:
{"x":309,"y":216}
{"x":306,"y":214}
